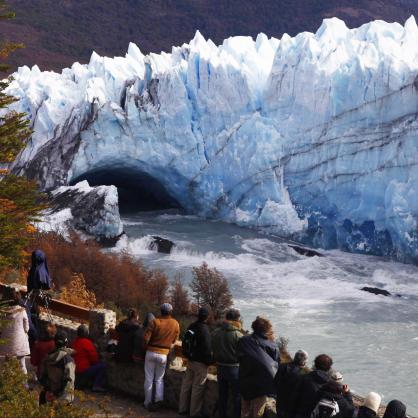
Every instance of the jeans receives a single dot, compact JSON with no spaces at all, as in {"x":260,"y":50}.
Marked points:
{"x":228,"y":377}
{"x":154,"y":373}
{"x":97,"y":373}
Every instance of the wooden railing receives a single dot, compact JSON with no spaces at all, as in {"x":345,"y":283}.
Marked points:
{"x":78,"y":313}
{"x":59,"y":307}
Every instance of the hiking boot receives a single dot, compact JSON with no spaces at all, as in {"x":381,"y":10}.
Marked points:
{"x":150,"y":407}
{"x":160,"y":404}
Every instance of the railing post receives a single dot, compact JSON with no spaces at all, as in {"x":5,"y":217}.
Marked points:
{"x":101,"y":320}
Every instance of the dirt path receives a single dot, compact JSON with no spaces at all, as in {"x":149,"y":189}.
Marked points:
{"x":115,"y":406}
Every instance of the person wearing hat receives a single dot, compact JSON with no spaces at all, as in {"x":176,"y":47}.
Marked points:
{"x":370,"y":406}
{"x":58,"y":372}
{"x":287,"y":381}
{"x":159,"y":338}
{"x":333,"y":391}
{"x":336,"y":376}
{"x":197,"y":348}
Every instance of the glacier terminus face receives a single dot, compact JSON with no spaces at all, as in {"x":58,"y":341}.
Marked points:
{"x":313,"y":137}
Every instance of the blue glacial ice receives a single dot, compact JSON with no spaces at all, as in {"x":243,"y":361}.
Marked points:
{"x":313,"y":137}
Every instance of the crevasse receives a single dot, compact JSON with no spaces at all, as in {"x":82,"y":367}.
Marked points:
{"x":312,"y":137}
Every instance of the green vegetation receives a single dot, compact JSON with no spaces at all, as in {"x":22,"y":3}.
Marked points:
{"x":17,"y":401}
{"x":20,"y":202}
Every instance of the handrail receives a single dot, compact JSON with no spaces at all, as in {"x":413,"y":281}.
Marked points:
{"x":59,"y":306}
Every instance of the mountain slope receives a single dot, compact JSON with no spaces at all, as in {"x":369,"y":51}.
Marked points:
{"x":59,"y":32}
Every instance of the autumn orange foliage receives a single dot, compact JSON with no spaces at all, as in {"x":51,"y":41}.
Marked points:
{"x":76,"y":293}
{"x":117,"y":279}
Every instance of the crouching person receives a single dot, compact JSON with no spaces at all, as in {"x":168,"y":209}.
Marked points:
{"x":259,"y":359}
{"x":58,"y":373}
{"x":88,"y":367}
{"x":197,"y":348}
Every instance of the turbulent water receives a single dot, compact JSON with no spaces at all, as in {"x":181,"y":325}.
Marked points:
{"x":315,"y":302}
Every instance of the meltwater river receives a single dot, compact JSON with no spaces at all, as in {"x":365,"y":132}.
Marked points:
{"x":315,"y":302}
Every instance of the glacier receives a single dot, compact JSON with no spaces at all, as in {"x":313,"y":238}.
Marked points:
{"x":312,"y":137}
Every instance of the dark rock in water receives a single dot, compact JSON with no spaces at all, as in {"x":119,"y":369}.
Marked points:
{"x":162,"y":245}
{"x":306,"y":251}
{"x":376,"y":291}
{"x":109,"y":242}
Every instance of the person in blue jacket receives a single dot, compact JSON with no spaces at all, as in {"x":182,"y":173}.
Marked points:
{"x":259,"y":358}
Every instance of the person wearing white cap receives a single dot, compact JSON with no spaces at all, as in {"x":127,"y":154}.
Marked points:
{"x":370,"y":406}
{"x":159,"y":338}
{"x":337,"y":377}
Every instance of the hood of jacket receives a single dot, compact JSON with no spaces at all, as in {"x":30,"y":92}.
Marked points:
{"x":14,"y":309}
{"x":58,"y":354}
{"x":231,"y":325}
{"x":320,"y":377}
{"x":395,"y":409}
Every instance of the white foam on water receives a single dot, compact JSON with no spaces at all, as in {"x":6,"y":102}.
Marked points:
{"x":176,"y":217}
{"x":135,"y":247}
{"x":131,"y":223}
{"x":316,"y":302}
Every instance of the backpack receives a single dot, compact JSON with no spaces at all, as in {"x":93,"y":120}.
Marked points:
{"x":325,"y":408}
{"x":189,"y":343}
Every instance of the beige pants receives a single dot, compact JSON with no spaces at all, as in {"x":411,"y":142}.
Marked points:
{"x":254,"y":408}
{"x":193,"y":388}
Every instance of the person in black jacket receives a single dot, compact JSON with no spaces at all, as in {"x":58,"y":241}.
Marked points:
{"x":341,"y":395}
{"x":126,"y":331}
{"x":310,"y":385}
{"x":395,"y":409}
{"x":199,"y":357}
{"x":139,"y":343}
{"x":259,"y":358}
{"x":287,"y":380}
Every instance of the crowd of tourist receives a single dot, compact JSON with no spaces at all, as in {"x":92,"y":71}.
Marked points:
{"x":249,"y":368}
{"x":248,"y":365}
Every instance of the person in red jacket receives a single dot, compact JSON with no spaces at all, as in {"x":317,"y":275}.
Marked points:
{"x":43,"y":347}
{"x":87,"y":364}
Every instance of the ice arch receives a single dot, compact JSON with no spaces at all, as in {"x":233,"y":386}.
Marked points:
{"x":137,"y":189}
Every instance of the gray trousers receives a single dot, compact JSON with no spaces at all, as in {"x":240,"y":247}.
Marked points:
{"x":193,"y":388}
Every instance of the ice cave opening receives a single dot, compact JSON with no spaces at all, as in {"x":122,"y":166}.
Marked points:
{"x":137,"y":190}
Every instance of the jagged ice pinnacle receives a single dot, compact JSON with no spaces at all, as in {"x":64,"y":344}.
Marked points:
{"x":313,"y":137}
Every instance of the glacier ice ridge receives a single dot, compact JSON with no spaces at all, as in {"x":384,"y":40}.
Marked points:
{"x":313,"y":137}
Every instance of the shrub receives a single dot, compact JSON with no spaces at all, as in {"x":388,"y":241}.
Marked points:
{"x":17,"y":401}
{"x":179,"y":297}
{"x":210,"y":288}
{"x":111,"y":277}
{"x":158,"y":287}
{"x":77,"y":293}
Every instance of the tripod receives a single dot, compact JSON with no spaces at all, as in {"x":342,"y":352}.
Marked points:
{"x":36,"y":295}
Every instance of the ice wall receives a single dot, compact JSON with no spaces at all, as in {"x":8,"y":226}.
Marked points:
{"x":312,"y":137}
